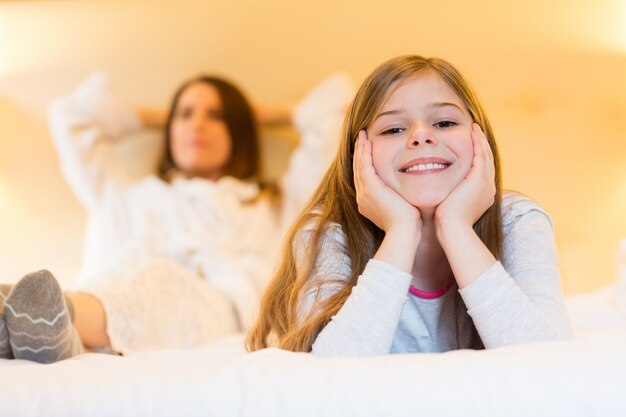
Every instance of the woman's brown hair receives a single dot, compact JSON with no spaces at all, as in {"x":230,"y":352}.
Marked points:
{"x":281,"y":322}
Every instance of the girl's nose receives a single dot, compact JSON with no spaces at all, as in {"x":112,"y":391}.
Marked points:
{"x":421,"y":136}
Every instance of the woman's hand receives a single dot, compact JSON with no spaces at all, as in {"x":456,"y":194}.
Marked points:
{"x":152,"y":117}
{"x":475,"y":193}
{"x":376,"y":201}
{"x":273,"y":115}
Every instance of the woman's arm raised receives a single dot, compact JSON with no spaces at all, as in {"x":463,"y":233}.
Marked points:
{"x":84,"y":125}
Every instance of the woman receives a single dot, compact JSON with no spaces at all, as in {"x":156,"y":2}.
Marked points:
{"x":177,"y":259}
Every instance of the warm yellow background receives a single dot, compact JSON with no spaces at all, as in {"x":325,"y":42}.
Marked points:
{"x":552,"y":76}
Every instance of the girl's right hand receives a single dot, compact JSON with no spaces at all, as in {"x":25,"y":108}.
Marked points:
{"x":375,"y":200}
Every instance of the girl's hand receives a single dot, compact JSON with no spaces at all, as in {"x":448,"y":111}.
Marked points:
{"x":475,"y":193}
{"x":376,"y":201}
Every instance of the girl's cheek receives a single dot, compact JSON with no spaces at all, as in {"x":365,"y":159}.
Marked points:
{"x":467,"y":150}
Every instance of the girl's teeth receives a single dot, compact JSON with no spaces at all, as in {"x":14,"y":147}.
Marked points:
{"x":424,"y":167}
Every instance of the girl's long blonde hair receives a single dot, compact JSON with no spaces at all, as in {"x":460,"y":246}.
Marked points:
{"x":280,"y":322}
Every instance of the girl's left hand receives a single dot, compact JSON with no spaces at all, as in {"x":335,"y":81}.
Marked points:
{"x":475,"y":193}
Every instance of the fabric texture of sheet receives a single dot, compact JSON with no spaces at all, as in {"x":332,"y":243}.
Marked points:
{"x":577,"y":378}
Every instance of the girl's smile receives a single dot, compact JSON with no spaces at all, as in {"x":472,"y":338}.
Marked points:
{"x":421,"y":166}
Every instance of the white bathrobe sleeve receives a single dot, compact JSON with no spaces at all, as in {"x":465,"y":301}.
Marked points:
{"x":84,"y":126}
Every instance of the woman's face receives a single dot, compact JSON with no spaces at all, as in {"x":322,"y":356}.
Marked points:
{"x":200,"y":141}
{"x":421,"y":140}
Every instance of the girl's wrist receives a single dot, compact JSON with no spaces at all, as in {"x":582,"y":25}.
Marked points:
{"x":404,"y":234}
{"x":449,"y":232}
{"x":398,"y":248}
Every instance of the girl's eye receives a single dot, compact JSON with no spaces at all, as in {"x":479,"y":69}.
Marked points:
{"x":445,"y":123}
{"x":393,"y":131}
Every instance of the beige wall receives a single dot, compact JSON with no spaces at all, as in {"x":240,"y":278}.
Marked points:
{"x":552,"y":77}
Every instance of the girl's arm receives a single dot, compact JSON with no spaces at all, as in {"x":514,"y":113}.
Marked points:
{"x":400,"y":220}
{"x":520,"y":300}
{"x":522,"y":305}
{"x":84,"y":126}
{"x":366,"y":324}
{"x":469,"y":258}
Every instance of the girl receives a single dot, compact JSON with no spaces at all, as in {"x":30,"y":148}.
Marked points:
{"x":408,"y":245}
{"x":150,"y":241}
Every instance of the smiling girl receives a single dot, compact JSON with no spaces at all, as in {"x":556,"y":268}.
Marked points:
{"x":409,"y":244}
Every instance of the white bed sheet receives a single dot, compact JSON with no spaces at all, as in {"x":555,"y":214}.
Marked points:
{"x":582,"y":377}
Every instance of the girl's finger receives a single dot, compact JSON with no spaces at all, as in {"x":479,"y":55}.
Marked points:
{"x":367,"y":157}
{"x":358,"y":160}
{"x":479,"y":154}
{"x":357,"y":155}
{"x":488,"y":154}
{"x":369,"y":178}
{"x":366,"y":176}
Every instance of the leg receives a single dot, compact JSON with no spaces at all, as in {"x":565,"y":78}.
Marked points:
{"x":5,"y":347}
{"x":159,"y":304}
{"x":89,"y":320}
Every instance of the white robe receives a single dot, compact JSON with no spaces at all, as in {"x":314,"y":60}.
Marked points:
{"x":148,"y":241}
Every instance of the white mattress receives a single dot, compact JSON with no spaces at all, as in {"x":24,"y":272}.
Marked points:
{"x":582,"y":377}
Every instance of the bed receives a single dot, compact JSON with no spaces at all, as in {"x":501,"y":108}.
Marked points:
{"x":582,"y":377}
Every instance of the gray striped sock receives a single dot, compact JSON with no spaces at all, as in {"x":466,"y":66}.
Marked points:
{"x":38,"y":320}
{"x":5,"y":347}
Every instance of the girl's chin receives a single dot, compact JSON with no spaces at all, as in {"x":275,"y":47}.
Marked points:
{"x":426,"y":204}
{"x":425,"y":198}
{"x":427,"y":201}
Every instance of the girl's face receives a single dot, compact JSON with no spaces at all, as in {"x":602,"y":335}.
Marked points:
{"x":200,"y":140}
{"x":421,"y":140}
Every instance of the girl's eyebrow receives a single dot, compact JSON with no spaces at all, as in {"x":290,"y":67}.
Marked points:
{"x":388,"y":113}
{"x":438,"y":104}
{"x":445,"y":104}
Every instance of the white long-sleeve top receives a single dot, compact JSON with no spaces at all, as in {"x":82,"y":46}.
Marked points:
{"x":209,"y":227}
{"x":517,"y":300}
